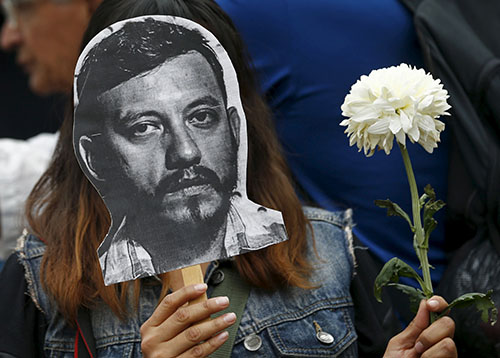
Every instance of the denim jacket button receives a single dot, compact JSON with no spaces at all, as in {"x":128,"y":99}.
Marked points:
{"x":217,"y":277}
{"x":252,"y":342}
{"x":324,"y":337}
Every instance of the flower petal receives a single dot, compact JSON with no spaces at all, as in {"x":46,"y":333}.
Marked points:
{"x":401,"y":137}
{"x":398,"y":101}
{"x":379,"y":127}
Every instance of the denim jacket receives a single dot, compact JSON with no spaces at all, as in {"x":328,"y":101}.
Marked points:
{"x":283,"y":323}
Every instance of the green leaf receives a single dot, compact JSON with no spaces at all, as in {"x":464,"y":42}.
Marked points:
{"x":414,"y":295}
{"x":390,"y":273}
{"x":429,"y":226}
{"x":423,"y":199}
{"x":430,"y":208}
{"x":393,"y":209}
{"x":429,"y":190}
{"x":483,"y":303}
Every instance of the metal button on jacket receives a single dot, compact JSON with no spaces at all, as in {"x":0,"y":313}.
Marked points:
{"x":217,"y":277}
{"x":252,"y":342}
{"x":324,"y":337}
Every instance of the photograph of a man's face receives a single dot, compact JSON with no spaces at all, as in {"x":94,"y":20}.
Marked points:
{"x":160,"y":132}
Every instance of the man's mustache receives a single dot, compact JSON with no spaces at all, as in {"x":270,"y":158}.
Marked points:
{"x":188,"y":177}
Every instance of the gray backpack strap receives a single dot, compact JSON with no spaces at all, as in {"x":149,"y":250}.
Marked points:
{"x":237,"y":290}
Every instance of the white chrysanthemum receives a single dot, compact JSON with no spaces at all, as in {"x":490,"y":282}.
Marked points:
{"x":396,"y":101}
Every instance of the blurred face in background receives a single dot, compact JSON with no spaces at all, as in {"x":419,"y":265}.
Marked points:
{"x":46,"y":35}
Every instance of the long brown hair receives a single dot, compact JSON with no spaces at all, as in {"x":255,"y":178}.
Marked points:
{"x":65,"y":210}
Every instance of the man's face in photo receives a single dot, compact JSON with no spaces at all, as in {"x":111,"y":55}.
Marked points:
{"x":174,"y":140}
{"x":160,"y":131}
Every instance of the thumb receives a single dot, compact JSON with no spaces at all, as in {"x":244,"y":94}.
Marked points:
{"x":419,"y":323}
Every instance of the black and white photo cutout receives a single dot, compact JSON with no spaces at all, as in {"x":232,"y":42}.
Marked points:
{"x":160,"y":132}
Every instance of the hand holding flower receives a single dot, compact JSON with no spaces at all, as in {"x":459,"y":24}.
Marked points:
{"x":399,"y":102}
{"x":420,"y":339}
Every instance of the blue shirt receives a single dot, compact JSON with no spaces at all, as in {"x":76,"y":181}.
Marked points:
{"x":307,"y":55}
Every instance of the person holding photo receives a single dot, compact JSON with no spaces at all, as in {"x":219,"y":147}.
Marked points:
{"x":298,"y":302}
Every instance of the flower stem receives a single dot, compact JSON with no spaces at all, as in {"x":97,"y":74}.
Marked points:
{"x":421,"y":247}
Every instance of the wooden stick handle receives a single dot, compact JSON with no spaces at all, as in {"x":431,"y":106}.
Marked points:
{"x":192,"y":275}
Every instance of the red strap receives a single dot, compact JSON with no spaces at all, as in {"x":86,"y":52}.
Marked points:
{"x":83,"y":339}
{"x":75,"y":355}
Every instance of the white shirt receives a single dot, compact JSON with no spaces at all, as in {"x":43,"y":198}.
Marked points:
{"x":22,"y":162}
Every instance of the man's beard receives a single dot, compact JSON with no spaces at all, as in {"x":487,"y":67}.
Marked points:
{"x":206,"y":208}
{"x":187,"y":187}
{"x":189,"y":223}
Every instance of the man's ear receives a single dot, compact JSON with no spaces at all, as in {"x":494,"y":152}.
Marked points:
{"x":234,"y":124}
{"x":86,"y":150}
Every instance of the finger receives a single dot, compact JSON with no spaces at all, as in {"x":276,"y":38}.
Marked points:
{"x":444,"y":349}
{"x":186,"y":316}
{"x":407,"y":338}
{"x":438,"y":331}
{"x":173,"y":301}
{"x":198,"y":333}
{"x":206,"y":348}
{"x":437,"y":304}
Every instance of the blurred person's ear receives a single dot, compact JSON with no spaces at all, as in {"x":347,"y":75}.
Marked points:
{"x":10,"y":36}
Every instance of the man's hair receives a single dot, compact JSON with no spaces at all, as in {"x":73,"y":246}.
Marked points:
{"x":134,"y":50}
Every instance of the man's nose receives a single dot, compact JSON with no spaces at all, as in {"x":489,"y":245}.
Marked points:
{"x":10,"y":36}
{"x":182,"y":151}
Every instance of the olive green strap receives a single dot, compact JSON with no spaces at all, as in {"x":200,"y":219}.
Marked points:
{"x":237,"y":290}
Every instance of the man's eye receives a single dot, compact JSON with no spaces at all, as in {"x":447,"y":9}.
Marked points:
{"x":143,"y":129}
{"x":203,"y":118}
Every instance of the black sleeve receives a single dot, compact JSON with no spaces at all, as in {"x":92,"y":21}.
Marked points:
{"x":22,"y":325}
{"x":375,"y":322}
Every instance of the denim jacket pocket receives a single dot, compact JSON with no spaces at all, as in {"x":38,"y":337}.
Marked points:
{"x":299,"y":337}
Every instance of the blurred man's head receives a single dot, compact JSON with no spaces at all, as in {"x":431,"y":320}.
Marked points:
{"x":153,"y":102}
{"x":46,"y":34}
